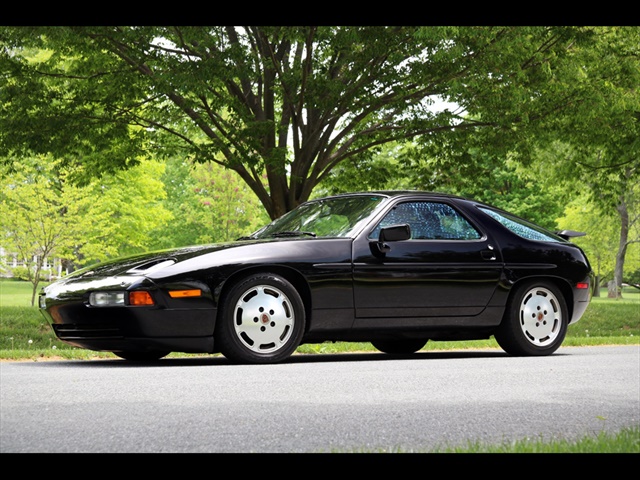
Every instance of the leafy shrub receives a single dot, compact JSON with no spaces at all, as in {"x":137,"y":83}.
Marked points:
{"x":20,"y":273}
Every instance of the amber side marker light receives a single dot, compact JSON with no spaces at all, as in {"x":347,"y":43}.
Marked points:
{"x":185,"y":293}
{"x":140,"y":298}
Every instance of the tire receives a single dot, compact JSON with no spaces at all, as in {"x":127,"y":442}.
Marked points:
{"x":141,"y":356}
{"x":399,"y":347}
{"x":261,"y":320}
{"x":535,"y":321}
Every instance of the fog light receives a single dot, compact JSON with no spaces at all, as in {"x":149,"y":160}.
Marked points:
{"x":106,"y":299}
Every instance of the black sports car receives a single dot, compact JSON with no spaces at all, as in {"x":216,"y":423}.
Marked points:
{"x":392,"y":268}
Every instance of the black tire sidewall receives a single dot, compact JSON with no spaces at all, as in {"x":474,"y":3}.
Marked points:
{"x":509,"y":334}
{"x":225,"y":336}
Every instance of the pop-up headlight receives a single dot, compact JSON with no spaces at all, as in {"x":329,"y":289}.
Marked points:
{"x":104,"y":299}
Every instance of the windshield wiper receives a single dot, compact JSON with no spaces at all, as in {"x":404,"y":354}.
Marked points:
{"x":293,"y":233}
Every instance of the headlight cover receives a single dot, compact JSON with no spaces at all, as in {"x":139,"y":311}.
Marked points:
{"x":106,"y":299}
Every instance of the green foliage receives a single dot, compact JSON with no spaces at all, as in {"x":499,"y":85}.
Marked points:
{"x":602,"y":234}
{"x":48,"y":216}
{"x":626,"y":440}
{"x":383,"y":168}
{"x":25,"y":274}
{"x":634,"y":276}
{"x":115,"y":215}
{"x":504,"y":183}
{"x":20,"y":273}
{"x":538,"y":115}
{"x":33,"y":208}
{"x":229,"y":209}
{"x":208,"y":204}
{"x":104,"y":97}
{"x":185,"y":225}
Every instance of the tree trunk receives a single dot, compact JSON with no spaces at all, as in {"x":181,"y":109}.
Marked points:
{"x":615,"y":291}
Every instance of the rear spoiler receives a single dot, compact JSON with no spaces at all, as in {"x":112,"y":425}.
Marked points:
{"x":568,"y":234}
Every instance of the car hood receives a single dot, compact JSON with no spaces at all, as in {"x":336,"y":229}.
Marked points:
{"x":165,"y":263}
{"x":147,"y":263}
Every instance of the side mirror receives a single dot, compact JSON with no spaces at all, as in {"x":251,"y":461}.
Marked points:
{"x":394,"y":233}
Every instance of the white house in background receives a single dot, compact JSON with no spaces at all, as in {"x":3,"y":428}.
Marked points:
{"x":11,"y":260}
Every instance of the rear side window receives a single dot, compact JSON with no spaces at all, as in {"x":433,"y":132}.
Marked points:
{"x":521,"y":227}
{"x":429,"y":221}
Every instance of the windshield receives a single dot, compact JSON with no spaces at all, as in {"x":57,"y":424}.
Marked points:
{"x":328,"y":217}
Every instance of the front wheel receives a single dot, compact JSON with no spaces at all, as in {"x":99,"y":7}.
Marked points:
{"x":535,"y":321}
{"x":261,"y":320}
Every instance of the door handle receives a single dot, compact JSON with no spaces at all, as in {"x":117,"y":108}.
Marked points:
{"x":488,"y":254}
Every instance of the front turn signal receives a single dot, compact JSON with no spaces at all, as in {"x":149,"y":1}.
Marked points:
{"x":140,"y":298}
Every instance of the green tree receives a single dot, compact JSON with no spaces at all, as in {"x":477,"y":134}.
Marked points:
{"x":604,"y":137}
{"x":290,"y":103}
{"x":115,"y":215}
{"x":34,"y":216}
{"x":382,"y":168}
{"x":186,"y":225}
{"x":44,"y":215}
{"x":600,"y":240}
{"x":208,"y":204}
{"x":230,"y":208}
{"x":628,"y":208}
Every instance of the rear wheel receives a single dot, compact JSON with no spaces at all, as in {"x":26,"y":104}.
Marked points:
{"x":262,"y":320}
{"x":399,"y":347}
{"x":535,"y":322}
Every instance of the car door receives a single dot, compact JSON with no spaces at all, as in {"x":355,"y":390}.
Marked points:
{"x":448,"y":268}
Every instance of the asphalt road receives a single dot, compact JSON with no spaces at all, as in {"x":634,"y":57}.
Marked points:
{"x":316,"y":403}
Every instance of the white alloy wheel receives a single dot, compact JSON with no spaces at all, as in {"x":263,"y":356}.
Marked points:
{"x":540,"y":316}
{"x":264,"y":319}
{"x":535,"y":320}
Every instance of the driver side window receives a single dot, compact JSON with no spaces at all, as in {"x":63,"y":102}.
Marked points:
{"x":429,"y":221}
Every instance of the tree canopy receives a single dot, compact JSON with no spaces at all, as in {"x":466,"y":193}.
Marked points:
{"x":280,"y":106}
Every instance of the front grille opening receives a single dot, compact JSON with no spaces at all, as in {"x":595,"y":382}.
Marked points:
{"x":71,"y":331}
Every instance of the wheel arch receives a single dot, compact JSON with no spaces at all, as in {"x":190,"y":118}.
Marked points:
{"x":290,"y":274}
{"x":560,"y":283}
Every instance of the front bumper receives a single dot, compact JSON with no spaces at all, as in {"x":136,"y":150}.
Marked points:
{"x":170,"y":324}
